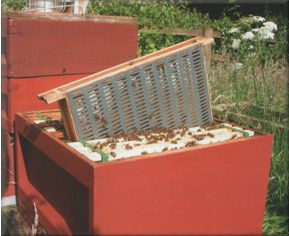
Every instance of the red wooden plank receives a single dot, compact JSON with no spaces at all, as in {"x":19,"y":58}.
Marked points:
{"x":43,"y":46}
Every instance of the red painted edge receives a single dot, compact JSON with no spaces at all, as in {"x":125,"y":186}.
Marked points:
{"x":77,"y":165}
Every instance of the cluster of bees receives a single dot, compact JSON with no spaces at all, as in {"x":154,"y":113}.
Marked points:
{"x":150,"y":137}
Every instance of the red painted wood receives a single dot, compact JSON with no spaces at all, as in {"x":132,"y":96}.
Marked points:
{"x":79,"y":168}
{"x":39,"y":47}
{"x":4,"y":70}
{"x":211,"y":189}
{"x":52,"y":220}
{"x":7,"y":164}
{"x":60,"y":198}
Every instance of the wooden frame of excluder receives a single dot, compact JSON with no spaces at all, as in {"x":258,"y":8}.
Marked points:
{"x":177,"y":91}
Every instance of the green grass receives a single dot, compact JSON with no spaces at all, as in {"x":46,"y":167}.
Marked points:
{"x":275,"y":225}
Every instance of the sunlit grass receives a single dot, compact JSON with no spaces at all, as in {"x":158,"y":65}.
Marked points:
{"x":275,"y":225}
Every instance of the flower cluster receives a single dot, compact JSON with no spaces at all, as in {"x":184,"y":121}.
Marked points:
{"x":266,"y":31}
{"x":249,"y":37}
{"x":258,"y":19}
{"x":236,"y":43}
{"x":246,"y":38}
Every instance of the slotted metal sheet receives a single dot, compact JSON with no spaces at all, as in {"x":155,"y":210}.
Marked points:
{"x":170,"y":92}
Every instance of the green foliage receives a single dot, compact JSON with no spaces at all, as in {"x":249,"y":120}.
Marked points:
{"x":280,"y":48}
{"x":166,"y":14}
{"x":13,"y":4}
{"x":275,"y":225}
{"x":278,"y":184}
{"x":174,"y":14}
{"x":152,"y":41}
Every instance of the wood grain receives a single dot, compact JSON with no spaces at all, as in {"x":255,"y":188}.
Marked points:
{"x":67,"y":120}
{"x":179,"y":31}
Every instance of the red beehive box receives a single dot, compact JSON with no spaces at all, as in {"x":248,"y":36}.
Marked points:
{"x":210,"y":189}
{"x":47,"y":50}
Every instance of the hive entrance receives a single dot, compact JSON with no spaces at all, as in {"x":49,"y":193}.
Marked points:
{"x":168,"y":90}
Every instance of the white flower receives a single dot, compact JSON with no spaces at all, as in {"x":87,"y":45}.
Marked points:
{"x":234,"y":30}
{"x":236,"y":43}
{"x":248,"y":35}
{"x":266,"y":33}
{"x":251,"y":46}
{"x":270,"y":25}
{"x":237,"y":66}
{"x":269,"y":35}
{"x":258,"y":18}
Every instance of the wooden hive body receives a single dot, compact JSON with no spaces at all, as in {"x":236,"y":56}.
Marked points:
{"x":213,"y":189}
{"x":166,"y":89}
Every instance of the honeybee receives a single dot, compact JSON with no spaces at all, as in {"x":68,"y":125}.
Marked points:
{"x":210,"y":135}
{"x":190,"y":144}
{"x":165,"y":149}
{"x":112,"y":145}
{"x":112,"y":154}
{"x":128,"y":147}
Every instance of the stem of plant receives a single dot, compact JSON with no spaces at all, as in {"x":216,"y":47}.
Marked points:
{"x":255,"y":82}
